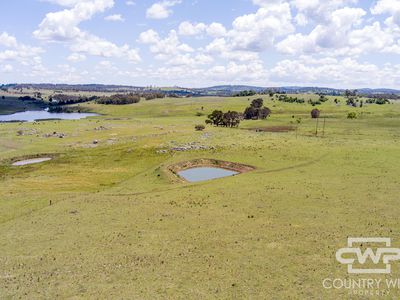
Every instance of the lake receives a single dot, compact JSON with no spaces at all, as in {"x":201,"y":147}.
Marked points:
{"x":205,"y":173}
{"x":31,"y":115}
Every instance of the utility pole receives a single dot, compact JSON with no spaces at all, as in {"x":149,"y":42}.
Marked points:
{"x":316,"y":127}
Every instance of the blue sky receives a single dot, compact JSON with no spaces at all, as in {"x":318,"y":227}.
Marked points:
{"x":195,"y":43}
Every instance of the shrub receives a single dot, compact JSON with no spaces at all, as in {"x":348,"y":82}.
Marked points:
{"x":315,"y":113}
{"x":352,"y":115}
{"x":199,"y":127}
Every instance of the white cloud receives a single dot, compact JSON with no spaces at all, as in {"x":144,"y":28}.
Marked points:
{"x":93,"y":45}
{"x":172,"y":51}
{"x":130,"y":3}
{"x":76,"y":57}
{"x":238,"y":73}
{"x":191,"y":29}
{"x":187,"y":28}
{"x":161,"y":10}
{"x":114,"y":18}
{"x":216,"y":30}
{"x":164,"y":48}
{"x":18,"y":52}
{"x":7,"y":68}
{"x":8,"y":40}
{"x":251,"y":34}
{"x":256,"y":32}
{"x":343,"y":73}
{"x":62,"y":26}
{"x":317,"y":10}
{"x":333,"y":36}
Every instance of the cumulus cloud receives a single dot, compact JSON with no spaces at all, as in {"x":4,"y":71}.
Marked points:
{"x":63,"y":26}
{"x":192,"y":29}
{"x":252,"y":34}
{"x":164,"y":48}
{"x":333,"y":36}
{"x":161,"y":10}
{"x":15,"y":51}
{"x":8,"y":40}
{"x":187,"y":28}
{"x":172,"y":51}
{"x":317,"y":10}
{"x":76,"y":57}
{"x":114,"y":18}
{"x":319,"y":41}
{"x":335,"y":72}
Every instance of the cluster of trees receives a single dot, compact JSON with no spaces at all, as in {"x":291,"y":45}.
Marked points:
{"x":229,"y":119}
{"x":257,"y":110}
{"x":27,"y":98}
{"x":384,"y":96}
{"x":245,"y":94}
{"x":288,"y":99}
{"x":153,"y":95}
{"x":378,"y":101}
{"x":119,"y":99}
{"x":355,"y":102}
{"x":350,"y":93}
{"x":63,"y":99}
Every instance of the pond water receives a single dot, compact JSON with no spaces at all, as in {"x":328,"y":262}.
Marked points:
{"x":31,"y":161}
{"x":31,"y":115}
{"x":202,"y":174}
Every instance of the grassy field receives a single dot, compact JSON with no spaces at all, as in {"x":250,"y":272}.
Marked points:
{"x":105,"y":220}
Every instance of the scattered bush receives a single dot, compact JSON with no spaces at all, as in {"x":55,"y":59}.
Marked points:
{"x":315,"y":113}
{"x":200,"y":127}
{"x":287,"y":99}
{"x":352,"y":115}
{"x":314,"y":103}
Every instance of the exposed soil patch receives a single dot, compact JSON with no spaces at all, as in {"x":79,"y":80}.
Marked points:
{"x":274,"y":129}
{"x":205,"y":162}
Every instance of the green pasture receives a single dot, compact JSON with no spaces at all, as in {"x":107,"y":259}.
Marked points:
{"x":104,"y":220}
